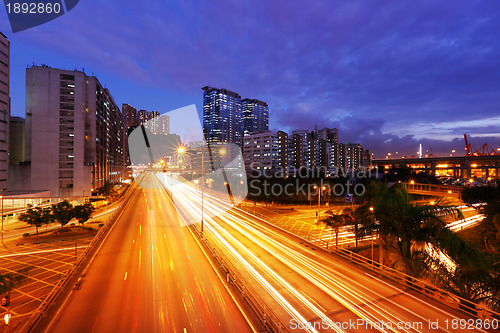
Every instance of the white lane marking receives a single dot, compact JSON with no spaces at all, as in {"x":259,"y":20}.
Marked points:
{"x":43,"y":251}
{"x":164,"y":236}
{"x":125,"y":278}
{"x":133,"y":241}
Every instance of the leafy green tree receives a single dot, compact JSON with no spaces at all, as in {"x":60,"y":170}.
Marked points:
{"x":63,"y":212}
{"x":83,"y":212}
{"x":36,"y":216}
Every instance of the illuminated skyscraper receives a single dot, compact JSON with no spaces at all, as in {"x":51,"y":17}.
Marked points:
{"x":222,"y":120}
{"x":255,"y":115}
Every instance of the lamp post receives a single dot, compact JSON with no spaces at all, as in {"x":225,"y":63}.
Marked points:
{"x":319,"y":193}
{"x":202,"y":186}
{"x":371,"y":210}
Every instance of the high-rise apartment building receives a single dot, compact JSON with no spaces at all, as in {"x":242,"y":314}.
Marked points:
{"x":164,"y":124}
{"x":153,"y":124}
{"x":75,"y":133}
{"x":266,"y":152}
{"x":255,"y":115}
{"x":142,"y":117}
{"x":4,"y":109}
{"x":130,"y":115}
{"x":222,"y":122}
{"x":330,"y":135}
{"x":303,"y":149}
{"x":16,"y":140}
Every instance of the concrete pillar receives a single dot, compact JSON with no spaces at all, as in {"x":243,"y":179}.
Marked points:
{"x":466,"y":172}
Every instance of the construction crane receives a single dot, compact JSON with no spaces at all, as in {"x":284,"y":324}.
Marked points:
{"x":485,"y":150}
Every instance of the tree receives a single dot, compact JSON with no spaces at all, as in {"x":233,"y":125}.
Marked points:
{"x":409,"y":225}
{"x":62,"y":212}
{"x":83,"y":212}
{"x":363,"y":215}
{"x":36,"y":216}
{"x":107,"y":190}
{"x":336,"y":220}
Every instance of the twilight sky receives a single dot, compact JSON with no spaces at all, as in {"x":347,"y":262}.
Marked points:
{"x":387,"y":74}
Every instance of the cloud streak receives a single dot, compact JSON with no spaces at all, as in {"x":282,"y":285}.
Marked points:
{"x":386,"y":74}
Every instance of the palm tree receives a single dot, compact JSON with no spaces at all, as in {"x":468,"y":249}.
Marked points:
{"x":408,"y":224}
{"x":336,"y":220}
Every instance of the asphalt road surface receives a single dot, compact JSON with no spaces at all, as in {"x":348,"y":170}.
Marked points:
{"x":151,"y":275}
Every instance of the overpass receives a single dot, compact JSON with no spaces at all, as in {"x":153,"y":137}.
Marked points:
{"x":454,"y":166}
{"x":434,"y":190}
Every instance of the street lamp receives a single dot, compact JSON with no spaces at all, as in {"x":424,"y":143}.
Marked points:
{"x":371,"y":210}
{"x":319,"y":193}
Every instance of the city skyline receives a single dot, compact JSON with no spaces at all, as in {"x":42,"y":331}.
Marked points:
{"x":427,"y":77}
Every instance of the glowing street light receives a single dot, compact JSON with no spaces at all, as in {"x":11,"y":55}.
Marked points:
{"x":319,"y":193}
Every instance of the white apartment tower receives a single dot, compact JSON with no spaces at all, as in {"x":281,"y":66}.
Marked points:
{"x":75,"y":133}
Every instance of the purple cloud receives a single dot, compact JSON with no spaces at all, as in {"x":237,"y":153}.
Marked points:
{"x":369,"y":68}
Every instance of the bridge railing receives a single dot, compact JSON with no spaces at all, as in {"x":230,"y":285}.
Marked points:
{"x":438,"y":189}
{"x":475,"y":310}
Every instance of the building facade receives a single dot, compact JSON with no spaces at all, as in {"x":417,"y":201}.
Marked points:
{"x":4,"y":109}
{"x":75,"y":133}
{"x":142,"y":117}
{"x":130,"y":115}
{"x":222,"y":119}
{"x":17,"y":127}
{"x":303,"y":149}
{"x":255,"y":115}
{"x":265,"y":152}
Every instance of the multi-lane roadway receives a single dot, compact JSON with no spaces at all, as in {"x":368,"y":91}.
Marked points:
{"x":306,"y":288}
{"x":151,"y":275}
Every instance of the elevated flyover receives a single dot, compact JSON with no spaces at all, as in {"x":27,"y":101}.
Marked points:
{"x":485,"y":167}
{"x":434,"y":190}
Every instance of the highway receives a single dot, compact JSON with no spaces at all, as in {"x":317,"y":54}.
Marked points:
{"x":308,"y":289}
{"x":151,"y":275}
